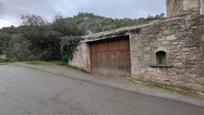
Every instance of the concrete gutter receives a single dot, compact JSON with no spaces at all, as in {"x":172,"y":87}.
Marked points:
{"x":110,"y":82}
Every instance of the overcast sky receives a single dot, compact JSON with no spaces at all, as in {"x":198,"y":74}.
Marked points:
{"x":11,"y":10}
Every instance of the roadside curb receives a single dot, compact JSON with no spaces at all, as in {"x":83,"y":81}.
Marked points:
{"x":127,"y":87}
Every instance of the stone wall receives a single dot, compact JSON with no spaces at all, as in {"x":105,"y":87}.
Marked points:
{"x":81,"y":57}
{"x":174,"y":7}
{"x":190,"y":4}
{"x":177,"y":7}
{"x":180,"y":38}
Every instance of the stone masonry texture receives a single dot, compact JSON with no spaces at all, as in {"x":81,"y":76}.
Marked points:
{"x":181,"y":37}
{"x":177,"y":7}
{"x":181,"y":40}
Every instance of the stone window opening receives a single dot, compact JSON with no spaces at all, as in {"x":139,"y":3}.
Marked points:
{"x":161,"y":58}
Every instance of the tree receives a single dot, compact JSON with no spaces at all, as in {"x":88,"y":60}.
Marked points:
{"x":68,"y":47}
{"x":32,"y":20}
{"x":43,"y":40}
{"x":4,"y":41}
{"x":18,"y":48}
{"x":66,"y":26}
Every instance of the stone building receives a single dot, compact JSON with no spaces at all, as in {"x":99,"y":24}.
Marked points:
{"x":177,"y":7}
{"x":169,"y":51}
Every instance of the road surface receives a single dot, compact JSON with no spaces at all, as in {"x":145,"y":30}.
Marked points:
{"x":26,"y":91}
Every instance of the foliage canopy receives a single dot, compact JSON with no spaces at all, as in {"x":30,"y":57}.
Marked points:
{"x":37,"y":39}
{"x":68,"y":47}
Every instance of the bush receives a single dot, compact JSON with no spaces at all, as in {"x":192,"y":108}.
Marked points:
{"x":18,"y":48}
{"x":6,"y":60}
{"x":68,"y":47}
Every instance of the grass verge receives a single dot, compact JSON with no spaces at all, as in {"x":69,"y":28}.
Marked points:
{"x":58,"y":63}
{"x":170,"y":88}
{"x":134,"y":80}
{"x":6,"y":61}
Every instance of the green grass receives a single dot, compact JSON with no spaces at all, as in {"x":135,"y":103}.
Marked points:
{"x":58,"y":63}
{"x":170,"y":88}
{"x":6,"y":61}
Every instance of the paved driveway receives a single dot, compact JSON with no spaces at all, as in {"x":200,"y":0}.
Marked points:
{"x":25,"y":91}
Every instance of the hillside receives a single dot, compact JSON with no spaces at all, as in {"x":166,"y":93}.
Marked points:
{"x":37,"y":39}
{"x":91,"y":23}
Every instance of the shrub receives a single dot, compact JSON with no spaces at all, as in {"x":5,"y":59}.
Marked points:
{"x":68,"y":46}
{"x":6,"y":60}
{"x":18,"y":48}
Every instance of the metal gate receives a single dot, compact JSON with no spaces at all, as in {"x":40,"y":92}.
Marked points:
{"x":111,"y":57}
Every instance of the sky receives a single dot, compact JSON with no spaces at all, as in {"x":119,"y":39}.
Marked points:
{"x":12,"y":10}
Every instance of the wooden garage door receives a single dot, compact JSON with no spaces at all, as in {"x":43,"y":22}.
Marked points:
{"x":111,"y":57}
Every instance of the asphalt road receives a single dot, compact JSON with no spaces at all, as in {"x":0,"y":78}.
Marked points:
{"x":25,"y":91}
